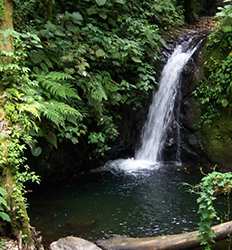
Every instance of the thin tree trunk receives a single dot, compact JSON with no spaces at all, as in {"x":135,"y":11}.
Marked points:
{"x":5,"y":24}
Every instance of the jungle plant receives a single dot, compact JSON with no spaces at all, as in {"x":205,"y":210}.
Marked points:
{"x":214,"y":92}
{"x":211,"y":186}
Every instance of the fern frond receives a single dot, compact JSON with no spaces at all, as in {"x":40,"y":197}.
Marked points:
{"x":59,"y":112}
{"x":55,"y":83}
{"x":33,"y":109}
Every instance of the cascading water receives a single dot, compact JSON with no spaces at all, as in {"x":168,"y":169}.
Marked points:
{"x":162,"y":107}
{"x":160,"y":114}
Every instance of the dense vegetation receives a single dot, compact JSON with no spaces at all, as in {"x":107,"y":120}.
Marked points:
{"x":89,"y":61}
{"x":67,"y":69}
{"x":70,"y":68}
{"x":214,"y":94}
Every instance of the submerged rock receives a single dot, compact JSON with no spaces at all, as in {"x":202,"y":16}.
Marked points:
{"x":73,"y":243}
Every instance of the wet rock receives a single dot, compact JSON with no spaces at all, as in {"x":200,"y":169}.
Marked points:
{"x":73,"y":243}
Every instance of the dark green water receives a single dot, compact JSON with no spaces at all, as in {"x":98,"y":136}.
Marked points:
{"x":103,"y":204}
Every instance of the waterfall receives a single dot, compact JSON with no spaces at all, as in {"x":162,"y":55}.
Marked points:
{"x":161,"y":113}
{"x":161,"y":110}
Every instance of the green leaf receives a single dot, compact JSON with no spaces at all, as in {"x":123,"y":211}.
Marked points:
{"x":136,"y":59}
{"x":36,"y":151}
{"x":227,"y":28}
{"x":76,"y":17}
{"x":2,"y":191}
{"x":103,"y":16}
{"x":3,"y":202}
{"x":120,"y":1}
{"x":225,"y":103}
{"x":100,"y":53}
{"x":5,"y":217}
{"x":100,"y":2}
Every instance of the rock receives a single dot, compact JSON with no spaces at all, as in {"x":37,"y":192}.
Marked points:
{"x":73,"y":243}
{"x":217,"y":140}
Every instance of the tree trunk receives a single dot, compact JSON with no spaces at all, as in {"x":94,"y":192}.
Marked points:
{"x":6,"y":23}
{"x":169,"y":242}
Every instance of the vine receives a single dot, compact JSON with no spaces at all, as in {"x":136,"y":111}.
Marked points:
{"x":14,"y":138}
{"x":212,"y":185}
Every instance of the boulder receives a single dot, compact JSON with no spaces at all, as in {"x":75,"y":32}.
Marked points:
{"x":73,"y":243}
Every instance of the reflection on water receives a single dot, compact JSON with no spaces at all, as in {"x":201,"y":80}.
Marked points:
{"x":103,"y":204}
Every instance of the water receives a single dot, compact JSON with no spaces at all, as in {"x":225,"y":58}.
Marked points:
{"x":103,"y":204}
{"x":160,"y":116}
{"x":162,"y":107}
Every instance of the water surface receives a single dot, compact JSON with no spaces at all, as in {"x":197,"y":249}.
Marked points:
{"x":103,"y":204}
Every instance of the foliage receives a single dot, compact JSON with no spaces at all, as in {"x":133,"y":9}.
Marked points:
{"x":212,"y":185}
{"x":94,"y":57}
{"x":67,"y":74}
{"x":214,"y":92}
{"x":73,"y":66}
{"x":216,"y":95}
{"x":35,"y":98}
{"x":3,"y":206}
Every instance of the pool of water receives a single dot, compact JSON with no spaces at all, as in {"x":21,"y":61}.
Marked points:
{"x":104,"y":204}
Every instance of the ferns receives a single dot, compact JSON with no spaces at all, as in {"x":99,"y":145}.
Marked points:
{"x":33,"y":109}
{"x":59,"y":112}
{"x":57,"y":92}
{"x":54,"y":83}
{"x":33,"y":97}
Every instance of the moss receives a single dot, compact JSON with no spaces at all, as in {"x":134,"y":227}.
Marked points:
{"x":217,"y":140}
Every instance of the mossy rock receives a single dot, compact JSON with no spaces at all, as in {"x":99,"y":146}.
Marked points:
{"x":217,"y":140}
